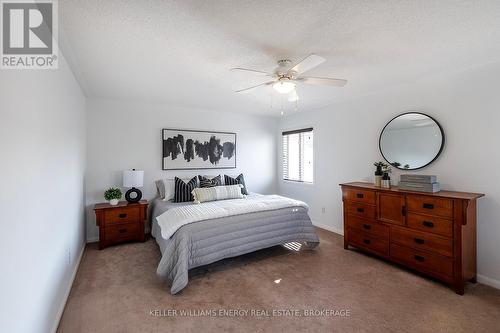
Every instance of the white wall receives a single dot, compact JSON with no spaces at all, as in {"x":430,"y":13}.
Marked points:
{"x":125,"y":136}
{"x":42,"y":230}
{"x":346,"y":145}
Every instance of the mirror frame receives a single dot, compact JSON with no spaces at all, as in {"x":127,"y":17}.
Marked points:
{"x":402,"y":114}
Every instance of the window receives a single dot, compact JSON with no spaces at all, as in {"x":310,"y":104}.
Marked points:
{"x":298,"y":155}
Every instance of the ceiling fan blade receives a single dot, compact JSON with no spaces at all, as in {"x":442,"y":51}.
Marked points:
{"x":262,"y":84}
{"x":327,"y":81}
{"x":307,"y":63}
{"x":239,"y":69}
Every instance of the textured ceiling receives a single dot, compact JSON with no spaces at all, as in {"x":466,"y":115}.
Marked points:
{"x":180,"y":52}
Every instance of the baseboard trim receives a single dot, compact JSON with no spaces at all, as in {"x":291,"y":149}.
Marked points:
{"x":68,"y":290}
{"x":488,"y":281}
{"x":328,"y":228}
{"x":93,"y":240}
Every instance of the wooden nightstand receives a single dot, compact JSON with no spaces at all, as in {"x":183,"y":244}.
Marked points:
{"x":121,"y":223}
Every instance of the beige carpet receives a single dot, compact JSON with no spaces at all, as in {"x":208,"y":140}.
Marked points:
{"x":116,"y":290}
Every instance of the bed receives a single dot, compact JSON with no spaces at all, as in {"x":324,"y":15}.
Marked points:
{"x":259,"y":223}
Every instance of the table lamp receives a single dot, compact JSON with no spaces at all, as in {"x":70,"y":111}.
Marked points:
{"x":133,"y":178}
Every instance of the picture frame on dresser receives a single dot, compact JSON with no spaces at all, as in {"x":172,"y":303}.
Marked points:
{"x":432,"y":233}
{"x":196,"y":149}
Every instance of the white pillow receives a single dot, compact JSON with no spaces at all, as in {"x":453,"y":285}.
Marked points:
{"x":204,"y":194}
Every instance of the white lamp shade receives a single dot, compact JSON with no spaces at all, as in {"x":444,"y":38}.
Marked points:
{"x":133,"y":178}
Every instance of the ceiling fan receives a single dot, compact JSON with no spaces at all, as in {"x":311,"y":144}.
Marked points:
{"x":286,"y":76}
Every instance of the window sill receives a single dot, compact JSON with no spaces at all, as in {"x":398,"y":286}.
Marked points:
{"x":289,"y":181}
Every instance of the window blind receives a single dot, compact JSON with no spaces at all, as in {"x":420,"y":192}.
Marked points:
{"x":298,"y":155}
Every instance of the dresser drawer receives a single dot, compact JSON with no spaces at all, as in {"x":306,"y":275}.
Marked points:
{"x":361,"y":210}
{"x":121,"y":232}
{"x":422,"y":241}
{"x":368,"y":226}
{"x":430,"y":205}
{"x":430,"y":224}
{"x":360,"y":195}
{"x":367,"y":241}
{"x":422,"y":261}
{"x":122,"y":215}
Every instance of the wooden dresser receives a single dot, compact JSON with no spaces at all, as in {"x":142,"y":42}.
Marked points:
{"x":121,"y":223}
{"x":433,"y":233}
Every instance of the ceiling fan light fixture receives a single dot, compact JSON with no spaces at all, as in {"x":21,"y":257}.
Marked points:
{"x":284,"y":86}
{"x":293,"y":97}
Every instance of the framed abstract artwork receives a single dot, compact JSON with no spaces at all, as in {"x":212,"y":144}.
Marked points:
{"x":189,"y":150}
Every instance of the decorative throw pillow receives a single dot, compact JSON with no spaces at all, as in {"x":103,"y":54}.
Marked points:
{"x":166,"y":188}
{"x":207,"y":182}
{"x":183,"y":190}
{"x":234,"y":181}
{"x":217,"y":193}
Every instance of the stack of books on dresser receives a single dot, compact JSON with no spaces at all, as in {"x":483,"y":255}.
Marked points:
{"x":421,"y":183}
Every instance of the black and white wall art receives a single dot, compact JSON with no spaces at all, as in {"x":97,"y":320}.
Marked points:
{"x":187,"y":149}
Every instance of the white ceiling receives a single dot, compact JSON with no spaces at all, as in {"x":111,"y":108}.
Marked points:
{"x":180,"y":52}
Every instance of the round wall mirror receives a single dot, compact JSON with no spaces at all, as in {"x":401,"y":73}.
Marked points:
{"x":411,"y":141}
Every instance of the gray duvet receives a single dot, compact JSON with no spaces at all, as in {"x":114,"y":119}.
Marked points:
{"x":201,"y":243}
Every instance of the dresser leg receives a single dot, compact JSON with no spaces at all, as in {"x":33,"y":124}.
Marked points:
{"x":459,"y":288}
{"x":346,"y":245}
{"x":474,"y":279}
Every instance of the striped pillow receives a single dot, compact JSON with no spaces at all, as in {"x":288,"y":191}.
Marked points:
{"x":182,"y":192}
{"x":207,"y":182}
{"x":238,"y":180}
{"x":217,"y":193}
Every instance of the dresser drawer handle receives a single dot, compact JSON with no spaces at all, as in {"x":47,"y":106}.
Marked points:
{"x":419,"y":258}
{"x":367,"y":226}
{"x":360,"y":210}
{"x":428,"y":206}
{"x":366,"y":241}
{"x":121,"y":231}
{"x":360,"y":195}
{"x":122,"y":215}
{"x":419,"y":240}
{"x":428,"y":224}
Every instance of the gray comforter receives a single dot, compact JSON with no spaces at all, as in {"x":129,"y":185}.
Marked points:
{"x":208,"y":241}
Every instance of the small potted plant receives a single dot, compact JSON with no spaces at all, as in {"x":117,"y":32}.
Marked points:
{"x":113,"y":194}
{"x":379,"y":172}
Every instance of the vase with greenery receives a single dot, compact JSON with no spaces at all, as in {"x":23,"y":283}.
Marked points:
{"x":112,"y":195}
{"x":379,"y":172}
{"x":386,"y":179}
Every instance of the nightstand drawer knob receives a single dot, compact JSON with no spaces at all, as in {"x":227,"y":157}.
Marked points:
{"x":122,"y":230}
{"x":122,"y":215}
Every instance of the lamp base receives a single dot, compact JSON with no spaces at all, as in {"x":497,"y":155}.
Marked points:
{"x":133,"y":198}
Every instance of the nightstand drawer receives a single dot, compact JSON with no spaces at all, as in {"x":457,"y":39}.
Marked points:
{"x":120,"y":232}
{"x":122,"y":215}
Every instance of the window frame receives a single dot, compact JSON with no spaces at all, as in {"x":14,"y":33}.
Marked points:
{"x":296,"y":130}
